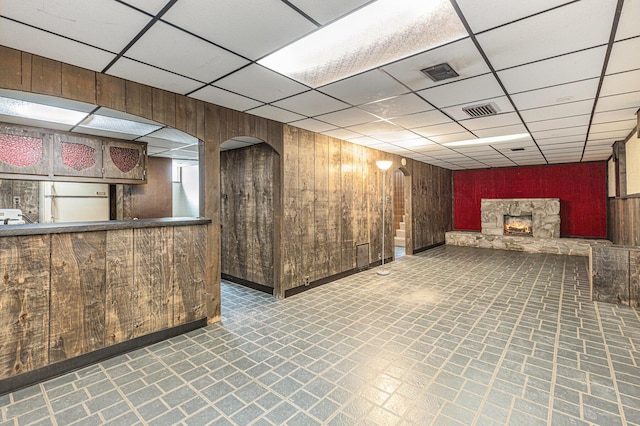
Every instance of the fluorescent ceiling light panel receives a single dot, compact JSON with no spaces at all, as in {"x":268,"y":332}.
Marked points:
{"x":119,"y":125}
{"x":383,"y":32}
{"x":24,"y":109}
{"x":491,"y":140}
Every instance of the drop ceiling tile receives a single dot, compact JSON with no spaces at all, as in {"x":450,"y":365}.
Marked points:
{"x":463,"y":91}
{"x":103,"y":133}
{"x":223,"y":98}
{"x":461,"y":55}
{"x":28,"y":39}
{"x":454,"y":137}
{"x":570,"y":92}
{"x":348,"y":117}
{"x":616,"y":115}
{"x":275,"y":113}
{"x":615,"y":102}
{"x":421,"y":119}
{"x":433,"y":150}
{"x":35,"y":123}
{"x":564,"y":158}
{"x":174,"y":135}
{"x":560,"y":140}
{"x":108,"y":112}
{"x":364,"y":141}
{"x":500,"y":104}
{"x":396,"y":106}
{"x":501,"y":131}
{"x":392,"y":149}
{"x":558,"y":133}
{"x":560,"y":123}
{"x":260,"y":83}
{"x":397,"y":136}
{"x":606,"y":142}
{"x":327,"y":10}
{"x":484,"y":15}
{"x":569,"y":28}
{"x":107,"y":25}
{"x":557,"y":111}
{"x":624,"y":56}
{"x":184,"y":54}
{"x":475,"y":150}
{"x":440,"y":129}
{"x":626,"y":125}
{"x":248,"y":27}
{"x":628,"y":25}
{"x":413,"y":143}
{"x":498,"y":120}
{"x":160,"y":144}
{"x":566,"y":147}
{"x":145,"y":74}
{"x":625,"y":82}
{"x":149,"y":6}
{"x":47,"y":100}
{"x":596,"y":156}
{"x":370,"y":86}
{"x":311,"y":103}
{"x":375,"y":127}
{"x":343,"y":134}
{"x":313,"y":125}
{"x":551,"y":72}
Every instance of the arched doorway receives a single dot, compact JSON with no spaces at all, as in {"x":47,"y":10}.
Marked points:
{"x":402,"y":213}
{"x":247,"y":219}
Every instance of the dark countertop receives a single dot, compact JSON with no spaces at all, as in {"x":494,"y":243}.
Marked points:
{"x":61,"y":228}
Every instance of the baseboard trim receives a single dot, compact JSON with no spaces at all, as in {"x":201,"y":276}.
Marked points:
{"x":28,"y":378}
{"x":246,"y":283}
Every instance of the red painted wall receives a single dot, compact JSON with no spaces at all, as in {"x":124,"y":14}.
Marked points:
{"x":581,"y":188}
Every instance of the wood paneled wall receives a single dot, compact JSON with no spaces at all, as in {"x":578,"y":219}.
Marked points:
{"x":68,"y":294}
{"x":624,"y":221}
{"x":153,"y":199}
{"x":333,"y":202}
{"x":398,"y":199}
{"x":247,"y":213}
{"x":27,"y":191}
{"x":211,"y":124}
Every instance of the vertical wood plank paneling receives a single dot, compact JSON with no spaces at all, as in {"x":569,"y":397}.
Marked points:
{"x":334,"y":225}
{"x":139,"y":99}
{"x":152,"y":297}
{"x":361,"y":222}
{"x":29,"y":193}
{"x":306,"y":164}
{"x":263,"y":219}
{"x":290,"y":221}
{"x":610,"y":275}
{"x":347,"y":170}
{"x":119,"y":319}
{"x":78,"y":268}
{"x":245,"y":218}
{"x":10,"y":68}
{"x":164,"y":107}
{"x":78,"y":84}
{"x":189,"y":274}
{"x":321,"y":208}
{"x":27,"y":71}
{"x":24,"y":303}
{"x":46,"y":76}
{"x":227,"y":204}
{"x":374,"y":188}
{"x":6,"y":194}
{"x":634,"y":278}
{"x":186,"y":112}
{"x":111,"y":92}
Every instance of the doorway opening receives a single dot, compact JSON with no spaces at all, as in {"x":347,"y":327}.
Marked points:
{"x":247,"y":173}
{"x":402,"y":213}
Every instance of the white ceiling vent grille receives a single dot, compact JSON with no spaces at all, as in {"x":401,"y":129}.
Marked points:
{"x":440,"y":72}
{"x":480,"y":110}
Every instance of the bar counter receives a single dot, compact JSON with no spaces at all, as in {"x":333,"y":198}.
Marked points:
{"x":75,"y":293}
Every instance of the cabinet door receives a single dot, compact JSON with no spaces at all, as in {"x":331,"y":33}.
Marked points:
{"x":124,"y":160}
{"x":77,"y":156}
{"x":24,"y":151}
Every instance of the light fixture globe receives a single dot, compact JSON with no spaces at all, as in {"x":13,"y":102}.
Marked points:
{"x":383,"y":164}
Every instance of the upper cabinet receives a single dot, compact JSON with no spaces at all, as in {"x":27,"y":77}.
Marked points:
{"x":30,"y":153}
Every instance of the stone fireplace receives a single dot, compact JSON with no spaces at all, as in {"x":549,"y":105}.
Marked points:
{"x":536,"y":217}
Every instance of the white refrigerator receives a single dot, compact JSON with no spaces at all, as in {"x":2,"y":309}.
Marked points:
{"x":73,"y":202}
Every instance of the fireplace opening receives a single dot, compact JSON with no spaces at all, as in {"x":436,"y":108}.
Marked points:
{"x":518,"y":225}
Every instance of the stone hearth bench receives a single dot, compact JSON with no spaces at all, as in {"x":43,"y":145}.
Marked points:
{"x":570,"y":246}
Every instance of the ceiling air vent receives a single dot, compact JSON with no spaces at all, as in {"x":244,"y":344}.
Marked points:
{"x":440,"y":72}
{"x":517,"y":149}
{"x":480,"y":110}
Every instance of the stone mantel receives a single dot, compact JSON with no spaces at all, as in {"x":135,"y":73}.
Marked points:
{"x":545,"y":213}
